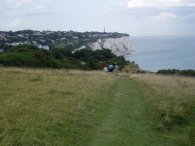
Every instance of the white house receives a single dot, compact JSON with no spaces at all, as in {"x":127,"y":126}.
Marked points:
{"x":75,"y":37}
{"x":45,"y":47}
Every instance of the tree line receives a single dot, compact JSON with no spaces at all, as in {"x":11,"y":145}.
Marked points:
{"x":86,"y":59}
{"x":188,"y":72}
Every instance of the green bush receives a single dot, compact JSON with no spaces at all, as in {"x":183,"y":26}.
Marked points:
{"x":28,"y":56}
{"x":177,"y":72}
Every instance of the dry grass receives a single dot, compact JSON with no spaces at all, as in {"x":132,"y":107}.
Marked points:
{"x":65,"y":107}
{"x":170,"y":102}
{"x":51,"y":107}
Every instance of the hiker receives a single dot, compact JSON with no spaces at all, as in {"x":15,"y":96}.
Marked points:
{"x":116,"y":69}
{"x":105,"y":69}
{"x":110,"y":68}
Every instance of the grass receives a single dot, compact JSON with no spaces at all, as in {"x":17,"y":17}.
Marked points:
{"x":127,"y":123}
{"x":46,"y":107}
{"x":51,"y":107}
{"x":170,"y":103}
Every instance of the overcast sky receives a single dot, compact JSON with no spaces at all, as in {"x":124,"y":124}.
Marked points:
{"x":136,"y":17}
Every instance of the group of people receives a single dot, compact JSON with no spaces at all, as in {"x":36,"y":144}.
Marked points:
{"x":112,"y":68}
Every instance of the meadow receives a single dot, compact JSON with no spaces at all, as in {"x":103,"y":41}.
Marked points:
{"x":53,"y":107}
{"x":170,"y":104}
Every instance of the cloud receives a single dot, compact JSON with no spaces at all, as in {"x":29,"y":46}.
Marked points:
{"x":16,"y":3}
{"x":45,"y":13}
{"x":160,"y":3}
{"x":188,"y":18}
{"x":15,"y":23}
{"x":40,"y":6}
{"x":164,"y":16}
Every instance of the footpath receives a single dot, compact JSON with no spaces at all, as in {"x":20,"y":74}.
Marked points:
{"x":126,"y":123}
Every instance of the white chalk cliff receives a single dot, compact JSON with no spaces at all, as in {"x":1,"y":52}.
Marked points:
{"x":119,"y":46}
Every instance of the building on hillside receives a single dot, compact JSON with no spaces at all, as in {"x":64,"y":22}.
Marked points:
{"x":16,"y":43}
{"x":37,"y":33}
{"x":63,"y":39}
{"x":21,"y":35}
{"x":45,"y":47}
{"x":2,"y":36}
{"x":75,"y":37}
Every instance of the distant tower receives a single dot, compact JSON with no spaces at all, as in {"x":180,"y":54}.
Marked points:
{"x":104,"y":30}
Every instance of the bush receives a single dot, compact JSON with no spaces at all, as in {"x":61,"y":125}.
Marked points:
{"x":29,"y":57}
{"x":177,"y":72}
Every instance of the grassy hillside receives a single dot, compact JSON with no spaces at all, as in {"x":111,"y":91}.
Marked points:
{"x":46,"y":107}
{"x":170,"y":103}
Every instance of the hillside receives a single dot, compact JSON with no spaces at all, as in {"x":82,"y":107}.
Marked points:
{"x":69,"y":107}
{"x":69,"y":40}
{"x":86,"y":59}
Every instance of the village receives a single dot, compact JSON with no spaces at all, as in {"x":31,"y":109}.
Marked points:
{"x":52,"y":39}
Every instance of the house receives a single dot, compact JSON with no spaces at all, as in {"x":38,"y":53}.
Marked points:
{"x":75,"y":37}
{"x":63,"y":39}
{"x":34,"y":42}
{"x":95,"y":35}
{"x":21,"y":35}
{"x":16,"y":43}
{"x":2,"y":36}
{"x":45,"y":47}
{"x":37,"y":33}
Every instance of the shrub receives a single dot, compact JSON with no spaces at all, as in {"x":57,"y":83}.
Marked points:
{"x":177,"y":72}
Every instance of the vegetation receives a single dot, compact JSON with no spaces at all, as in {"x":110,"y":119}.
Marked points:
{"x":51,"y":107}
{"x":31,"y":56}
{"x":28,"y":56}
{"x":131,"y":68}
{"x":126,"y":123}
{"x":68,"y":107}
{"x":177,"y":72}
{"x":170,"y":104}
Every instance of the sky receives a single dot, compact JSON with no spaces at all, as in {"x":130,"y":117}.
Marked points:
{"x":135,"y":17}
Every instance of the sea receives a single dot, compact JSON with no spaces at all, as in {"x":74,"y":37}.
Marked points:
{"x":163,"y":52}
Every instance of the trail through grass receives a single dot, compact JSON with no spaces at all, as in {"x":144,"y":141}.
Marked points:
{"x":127,"y":123}
{"x":43,"y":107}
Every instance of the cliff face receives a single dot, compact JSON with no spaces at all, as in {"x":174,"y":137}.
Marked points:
{"x":119,"y":46}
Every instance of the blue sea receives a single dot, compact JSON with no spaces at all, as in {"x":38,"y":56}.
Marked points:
{"x":154,"y":53}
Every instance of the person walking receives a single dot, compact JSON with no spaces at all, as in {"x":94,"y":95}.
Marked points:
{"x":110,"y":68}
{"x":116,"y":69}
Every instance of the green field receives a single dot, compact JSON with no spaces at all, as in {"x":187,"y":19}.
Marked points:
{"x":46,"y":107}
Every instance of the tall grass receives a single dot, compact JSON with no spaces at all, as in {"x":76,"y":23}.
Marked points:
{"x":51,"y":107}
{"x":170,"y":102}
